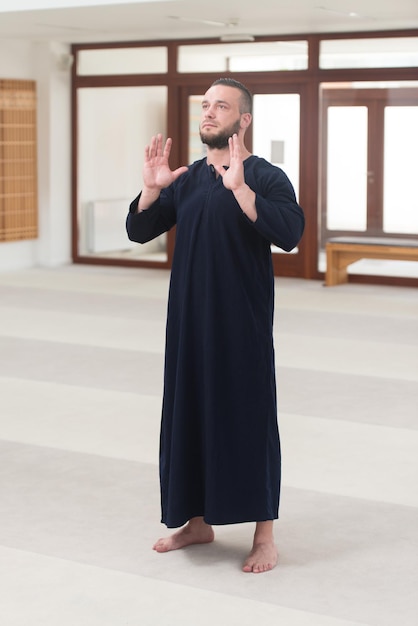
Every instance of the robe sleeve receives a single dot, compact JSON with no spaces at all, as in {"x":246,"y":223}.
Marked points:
{"x":280,"y":218}
{"x":149,"y":224}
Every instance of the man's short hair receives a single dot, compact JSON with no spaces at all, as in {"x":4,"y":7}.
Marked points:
{"x":246,"y":99}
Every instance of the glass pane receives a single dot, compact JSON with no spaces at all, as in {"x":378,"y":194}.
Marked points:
{"x":115,"y":124}
{"x":400,"y":203}
{"x":385,"y":52}
{"x":276,"y":132}
{"x":244,"y":57}
{"x":276,"y":124}
{"x":347,"y":168}
{"x":107,"y":61}
{"x":197,"y":150}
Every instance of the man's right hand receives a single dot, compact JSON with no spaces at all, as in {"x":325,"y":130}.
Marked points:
{"x":157,"y":173}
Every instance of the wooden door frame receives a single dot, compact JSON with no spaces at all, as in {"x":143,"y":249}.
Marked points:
{"x":311,"y":78}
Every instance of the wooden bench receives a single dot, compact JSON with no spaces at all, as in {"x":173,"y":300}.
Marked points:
{"x":342,"y":251}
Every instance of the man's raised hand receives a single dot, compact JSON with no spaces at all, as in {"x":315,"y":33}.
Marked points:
{"x":157,"y":173}
{"x":233,"y":177}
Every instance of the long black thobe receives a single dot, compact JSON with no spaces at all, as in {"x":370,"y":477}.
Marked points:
{"x":219,"y":446}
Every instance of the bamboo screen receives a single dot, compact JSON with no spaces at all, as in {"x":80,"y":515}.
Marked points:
{"x":18,"y":163}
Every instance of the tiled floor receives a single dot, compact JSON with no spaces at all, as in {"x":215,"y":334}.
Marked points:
{"x":81,"y":355}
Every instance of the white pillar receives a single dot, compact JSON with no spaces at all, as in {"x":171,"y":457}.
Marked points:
{"x":53,"y":79}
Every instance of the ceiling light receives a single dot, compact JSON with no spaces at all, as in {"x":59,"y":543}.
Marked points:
{"x":338,"y":12}
{"x":232,"y":38}
{"x":229,"y":24}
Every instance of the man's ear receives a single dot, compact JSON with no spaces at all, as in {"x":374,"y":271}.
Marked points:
{"x":246,"y":119}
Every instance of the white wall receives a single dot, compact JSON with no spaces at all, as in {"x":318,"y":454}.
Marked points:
{"x":41,"y":62}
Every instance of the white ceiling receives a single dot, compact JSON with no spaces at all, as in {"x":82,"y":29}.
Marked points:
{"x":149,"y":20}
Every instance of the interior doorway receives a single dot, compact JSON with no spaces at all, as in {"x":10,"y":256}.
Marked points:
{"x":369,"y":134}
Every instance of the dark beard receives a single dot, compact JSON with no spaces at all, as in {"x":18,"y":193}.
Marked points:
{"x":220,"y":141}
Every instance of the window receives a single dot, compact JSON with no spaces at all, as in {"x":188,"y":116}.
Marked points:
{"x":146,"y":60}
{"x":244,"y":57}
{"x":379,"y":52}
{"x":18,"y":164}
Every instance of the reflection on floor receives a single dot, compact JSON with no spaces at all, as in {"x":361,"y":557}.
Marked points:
{"x":133,"y":254}
{"x":80,"y":380}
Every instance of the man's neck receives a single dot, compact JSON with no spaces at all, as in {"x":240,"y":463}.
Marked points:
{"x":221,"y":157}
{"x":217,"y":157}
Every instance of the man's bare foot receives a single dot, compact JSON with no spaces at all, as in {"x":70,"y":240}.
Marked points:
{"x":195,"y":531}
{"x":262,"y":558}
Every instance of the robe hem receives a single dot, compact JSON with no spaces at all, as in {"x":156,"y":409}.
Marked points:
{"x":210,"y":522}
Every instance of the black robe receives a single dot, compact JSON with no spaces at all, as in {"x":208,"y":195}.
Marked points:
{"x":219,"y":446}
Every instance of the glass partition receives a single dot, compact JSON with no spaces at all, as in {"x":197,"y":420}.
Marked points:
{"x":400,"y":201}
{"x":379,"y":52}
{"x":369,"y":134}
{"x":346,"y":189}
{"x":276,"y":125}
{"x":276,"y":130}
{"x":105,"y":61}
{"x":367,"y":131}
{"x":114,"y":126}
{"x":244,"y":57}
{"x":197,"y":150}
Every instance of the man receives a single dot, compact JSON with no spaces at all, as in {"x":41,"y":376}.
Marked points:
{"x":219,"y":446}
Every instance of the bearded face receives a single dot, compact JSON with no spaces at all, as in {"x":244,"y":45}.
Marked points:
{"x":217,"y":139}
